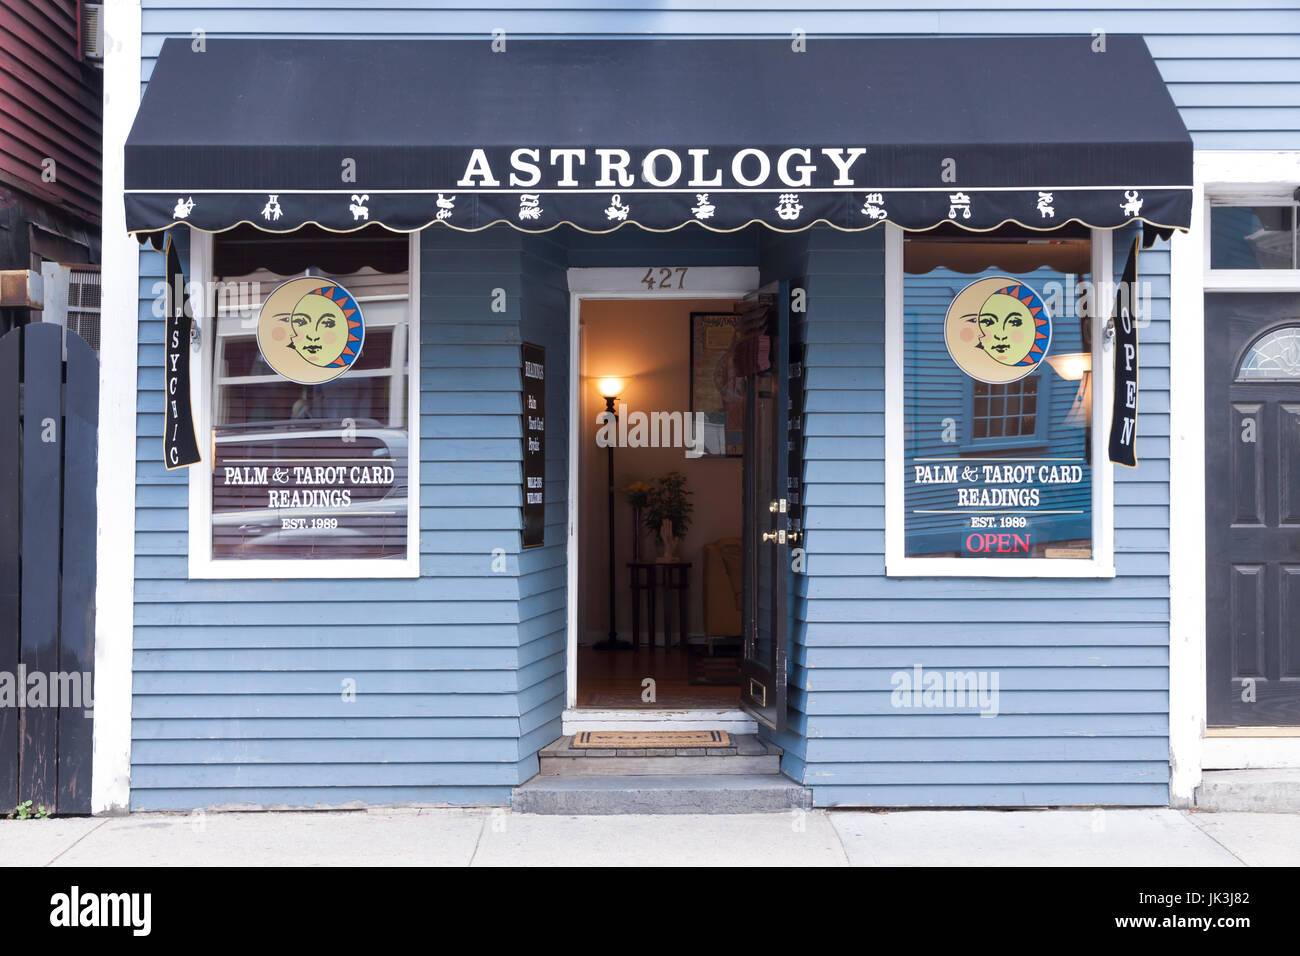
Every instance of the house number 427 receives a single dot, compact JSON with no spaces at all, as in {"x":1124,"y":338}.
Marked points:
{"x":664,"y":278}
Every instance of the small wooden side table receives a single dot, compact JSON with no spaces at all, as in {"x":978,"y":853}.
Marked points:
{"x":674,"y":582}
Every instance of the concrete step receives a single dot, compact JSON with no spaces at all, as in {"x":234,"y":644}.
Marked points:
{"x":660,"y":793}
{"x":1264,"y":791}
{"x":747,"y":755}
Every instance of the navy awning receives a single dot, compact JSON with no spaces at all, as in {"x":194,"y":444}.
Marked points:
{"x":662,"y":133}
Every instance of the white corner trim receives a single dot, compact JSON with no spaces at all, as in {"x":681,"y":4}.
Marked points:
{"x":110,"y":789}
{"x":1187,"y":508}
{"x":201,"y":565}
{"x":697,"y":282}
{"x":1102,"y":562}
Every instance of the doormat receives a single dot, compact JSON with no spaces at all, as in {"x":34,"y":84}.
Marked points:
{"x":718,"y":669}
{"x":666,"y":701}
{"x":650,"y":739}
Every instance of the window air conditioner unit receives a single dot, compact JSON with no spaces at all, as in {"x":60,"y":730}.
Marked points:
{"x":72,"y":298}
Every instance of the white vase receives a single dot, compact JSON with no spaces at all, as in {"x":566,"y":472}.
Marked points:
{"x":668,"y":541}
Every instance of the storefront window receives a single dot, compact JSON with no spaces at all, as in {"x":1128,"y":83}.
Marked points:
{"x":997,"y":397}
{"x":309,"y":396}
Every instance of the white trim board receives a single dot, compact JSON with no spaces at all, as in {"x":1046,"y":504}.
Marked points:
{"x":110,"y":788}
{"x":575,"y":720}
{"x":1235,"y":175}
{"x":1102,"y":562}
{"x":705,"y":282}
{"x":1250,"y":753}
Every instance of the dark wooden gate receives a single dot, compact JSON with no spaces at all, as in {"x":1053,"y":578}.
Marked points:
{"x":49,"y":414}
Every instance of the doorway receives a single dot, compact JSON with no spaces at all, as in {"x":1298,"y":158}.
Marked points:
{"x":1252,"y":422}
{"x":713,"y":657}
{"x":672,"y":572}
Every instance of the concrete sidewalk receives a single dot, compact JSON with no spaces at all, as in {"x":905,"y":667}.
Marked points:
{"x":485,"y":837}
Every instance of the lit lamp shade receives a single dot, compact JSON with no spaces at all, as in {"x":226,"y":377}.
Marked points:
{"x":1076,"y":367}
{"x":1071,"y":366}
{"x":610,"y":387}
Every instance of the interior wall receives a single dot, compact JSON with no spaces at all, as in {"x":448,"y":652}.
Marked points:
{"x":647,"y":344}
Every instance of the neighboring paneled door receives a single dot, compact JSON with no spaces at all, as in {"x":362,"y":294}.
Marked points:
{"x":1252,"y":462}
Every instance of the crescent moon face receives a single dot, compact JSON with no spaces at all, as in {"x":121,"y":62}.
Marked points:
{"x":997,"y":330}
{"x":310,"y":330}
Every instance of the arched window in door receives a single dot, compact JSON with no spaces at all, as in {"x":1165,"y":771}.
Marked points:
{"x":1274,"y":355}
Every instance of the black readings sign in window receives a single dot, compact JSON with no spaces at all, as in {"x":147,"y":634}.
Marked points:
{"x":534,"y":395}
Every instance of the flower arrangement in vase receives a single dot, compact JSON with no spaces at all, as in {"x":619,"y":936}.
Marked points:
{"x":637,"y":494}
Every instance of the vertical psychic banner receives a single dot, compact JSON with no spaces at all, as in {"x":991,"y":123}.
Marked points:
{"x":180,"y":447}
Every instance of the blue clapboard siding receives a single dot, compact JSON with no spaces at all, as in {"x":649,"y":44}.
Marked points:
{"x":459,"y":674}
{"x":1234,"y":73}
{"x":543,"y":571}
{"x":1083,"y":664}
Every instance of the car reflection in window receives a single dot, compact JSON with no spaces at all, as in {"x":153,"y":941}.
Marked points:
{"x":310,"y":488}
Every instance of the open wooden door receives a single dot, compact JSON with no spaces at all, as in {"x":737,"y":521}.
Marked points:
{"x":771,"y":501}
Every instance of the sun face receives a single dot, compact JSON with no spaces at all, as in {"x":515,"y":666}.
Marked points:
{"x":997,"y":330}
{"x":319,"y":329}
{"x":1006,"y":329}
{"x":308,"y":332}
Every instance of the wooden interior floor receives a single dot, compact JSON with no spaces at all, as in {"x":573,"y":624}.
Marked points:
{"x":613,"y":679}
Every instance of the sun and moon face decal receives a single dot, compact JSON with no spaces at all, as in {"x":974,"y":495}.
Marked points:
{"x":310,"y":330}
{"x":998,"y":330}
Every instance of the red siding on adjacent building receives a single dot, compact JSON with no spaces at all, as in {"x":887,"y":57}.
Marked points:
{"x":50,"y":107}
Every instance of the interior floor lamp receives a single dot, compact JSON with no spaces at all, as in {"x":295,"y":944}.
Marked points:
{"x":609,"y":389}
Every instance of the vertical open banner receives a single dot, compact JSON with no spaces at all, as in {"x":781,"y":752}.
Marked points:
{"x":1123,"y":421}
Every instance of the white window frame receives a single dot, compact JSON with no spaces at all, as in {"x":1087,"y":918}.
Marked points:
{"x":1102,"y":562}
{"x":202,"y":565}
{"x":1218,"y":195}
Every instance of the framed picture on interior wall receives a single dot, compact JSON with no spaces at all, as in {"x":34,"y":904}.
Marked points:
{"x":717,"y":396}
